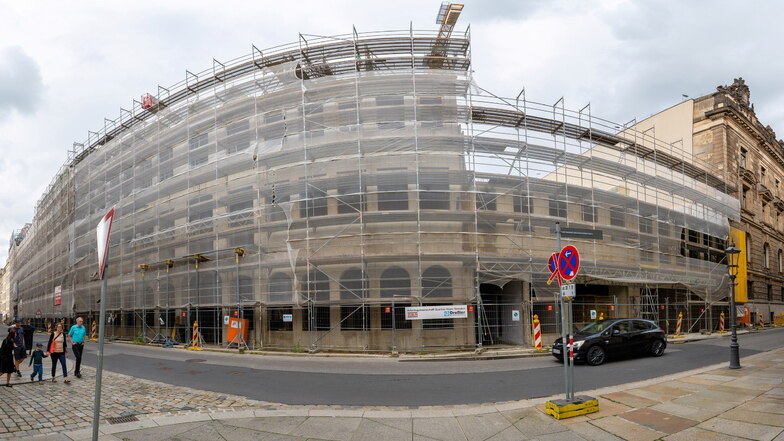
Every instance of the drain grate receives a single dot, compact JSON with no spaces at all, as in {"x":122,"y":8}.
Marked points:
{"x":122,"y":419}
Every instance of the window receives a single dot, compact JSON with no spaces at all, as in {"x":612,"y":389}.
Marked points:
{"x":314,"y":203}
{"x":646,"y":225}
{"x":353,"y":318}
{"x":745,"y":197}
{"x":777,"y":187}
{"x":780,"y":261}
{"x":485,"y":201}
{"x":351,"y":285}
{"x":617,"y":217}
{"x":766,"y":255}
{"x":321,"y":321}
{"x":639,"y":325}
{"x":399,"y":314}
{"x":664,"y":229}
{"x":392,"y":197}
{"x":197,"y":141}
{"x":743,"y":154}
{"x":350,"y":200}
{"x":276,"y":322}
{"x":434,"y":196}
{"x":436,"y":282}
{"x":748,"y":248}
{"x":770,"y":293}
{"x":557,"y":208}
{"x":395,"y":281}
{"x":280,"y":288}
{"x":589,"y":213}
{"x":762,"y":175}
{"x":316,"y":286}
{"x":522,"y":204}
{"x":389,"y":101}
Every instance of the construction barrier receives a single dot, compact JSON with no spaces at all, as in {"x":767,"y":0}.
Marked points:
{"x":601,"y":316}
{"x":761,"y":321}
{"x":779,"y":320}
{"x":94,"y":332}
{"x":721,"y":324}
{"x":537,"y":333}
{"x":196,"y":341}
{"x":679,"y":326}
{"x":48,"y":327}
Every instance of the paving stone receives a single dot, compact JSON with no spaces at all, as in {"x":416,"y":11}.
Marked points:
{"x":373,"y":430}
{"x":626,"y":429}
{"x":695,"y":433}
{"x":538,"y":423}
{"x":759,"y":432}
{"x":740,"y":414}
{"x":158,"y":433}
{"x":628,"y":399}
{"x":592,"y":433}
{"x":441,"y":428}
{"x":660,"y":421}
{"x":333,"y":428}
{"x":282,"y":425}
{"x":509,"y":434}
{"x":481,"y":427}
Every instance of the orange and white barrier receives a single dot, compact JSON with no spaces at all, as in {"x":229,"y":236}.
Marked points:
{"x":761,"y":321}
{"x":721,"y":324}
{"x":601,"y":316}
{"x":94,"y":332}
{"x":196,"y":340}
{"x":537,"y":333}
{"x":49,"y":327}
{"x":679,"y":326}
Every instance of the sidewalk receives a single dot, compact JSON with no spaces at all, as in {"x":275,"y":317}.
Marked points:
{"x":712,"y":403}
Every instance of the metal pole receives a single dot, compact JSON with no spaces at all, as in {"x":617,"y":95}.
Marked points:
{"x":564,"y":337}
{"x":734,"y":347}
{"x":99,"y":368}
{"x":571,"y":343}
{"x":394,"y":328}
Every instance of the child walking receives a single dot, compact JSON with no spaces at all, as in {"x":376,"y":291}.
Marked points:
{"x":37,"y":360}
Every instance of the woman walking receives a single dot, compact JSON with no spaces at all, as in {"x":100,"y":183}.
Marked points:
{"x":7,"y":366}
{"x":58,"y":350}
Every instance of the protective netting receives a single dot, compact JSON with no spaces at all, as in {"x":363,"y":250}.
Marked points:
{"x":356,"y":179}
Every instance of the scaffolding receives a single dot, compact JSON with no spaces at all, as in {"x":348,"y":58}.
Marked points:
{"x":361,"y":174}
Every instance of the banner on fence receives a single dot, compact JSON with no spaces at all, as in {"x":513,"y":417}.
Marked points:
{"x":436,"y":312}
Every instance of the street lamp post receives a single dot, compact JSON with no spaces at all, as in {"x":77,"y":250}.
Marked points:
{"x":732,"y":258}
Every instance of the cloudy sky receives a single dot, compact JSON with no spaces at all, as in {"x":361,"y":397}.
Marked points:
{"x":64,"y":66}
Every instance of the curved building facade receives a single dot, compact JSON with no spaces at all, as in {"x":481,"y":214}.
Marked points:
{"x":319,"y":188}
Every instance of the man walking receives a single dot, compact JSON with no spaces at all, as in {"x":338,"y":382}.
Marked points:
{"x":76,"y":334}
{"x":19,"y":346}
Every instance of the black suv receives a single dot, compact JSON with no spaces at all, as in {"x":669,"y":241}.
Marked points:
{"x":625,"y":336}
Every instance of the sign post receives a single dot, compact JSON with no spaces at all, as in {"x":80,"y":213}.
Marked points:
{"x":102,"y":231}
{"x":564,"y":265}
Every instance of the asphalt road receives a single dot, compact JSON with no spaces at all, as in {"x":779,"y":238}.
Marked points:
{"x":388,"y":382}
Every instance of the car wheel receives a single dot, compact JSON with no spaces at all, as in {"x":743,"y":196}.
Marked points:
{"x":657,"y":348}
{"x":595,"y":356}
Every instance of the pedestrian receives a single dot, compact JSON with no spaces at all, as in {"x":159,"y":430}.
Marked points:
{"x":19,"y":346}
{"x":37,"y":360}
{"x":7,"y":366}
{"x":77,"y":334}
{"x":29,"y":331}
{"x":58,"y":350}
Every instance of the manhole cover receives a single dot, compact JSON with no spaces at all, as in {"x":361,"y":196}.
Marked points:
{"x":123,"y":419}
{"x":195,"y":360}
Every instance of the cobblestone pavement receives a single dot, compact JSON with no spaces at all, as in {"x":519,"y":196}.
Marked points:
{"x":713,"y":403}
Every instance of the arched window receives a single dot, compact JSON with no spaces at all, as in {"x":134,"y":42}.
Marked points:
{"x":351,"y":286}
{"x":436,"y":282}
{"x":766,"y":255}
{"x":316,"y":286}
{"x":395,"y":281}
{"x":280,"y":288}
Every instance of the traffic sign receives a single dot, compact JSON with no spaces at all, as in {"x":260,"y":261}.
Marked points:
{"x":568,"y":262}
{"x":568,"y":291}
{"x":552,"y":265}
{"x":103,"y":230}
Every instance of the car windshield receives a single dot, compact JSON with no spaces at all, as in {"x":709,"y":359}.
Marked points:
{"x":595,"y":327}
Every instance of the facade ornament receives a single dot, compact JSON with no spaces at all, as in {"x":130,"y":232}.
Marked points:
{"x":739,"y":91}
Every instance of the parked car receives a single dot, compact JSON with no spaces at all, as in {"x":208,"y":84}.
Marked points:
{"x":608,"y":338}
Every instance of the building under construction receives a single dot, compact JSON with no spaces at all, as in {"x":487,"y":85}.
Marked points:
{"x":319,"y":188}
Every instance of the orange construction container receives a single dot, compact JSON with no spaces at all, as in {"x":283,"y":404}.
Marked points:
{"x":235,"y":326}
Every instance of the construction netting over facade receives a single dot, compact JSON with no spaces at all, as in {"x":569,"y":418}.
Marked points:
{"x":319,"y":188}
